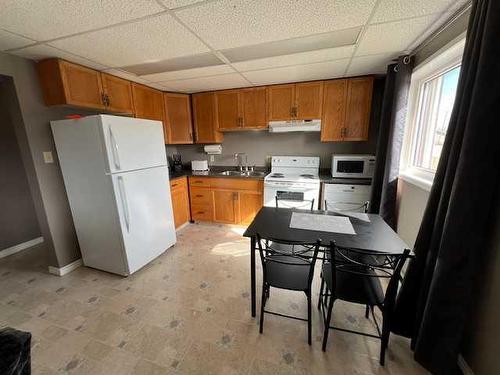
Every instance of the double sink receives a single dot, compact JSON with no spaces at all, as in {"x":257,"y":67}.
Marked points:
{"x":243,"y":174}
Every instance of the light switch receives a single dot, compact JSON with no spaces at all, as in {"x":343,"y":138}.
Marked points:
{"x":47,"y":157}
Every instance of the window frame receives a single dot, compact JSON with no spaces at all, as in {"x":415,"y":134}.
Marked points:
{"x":443,"y":61}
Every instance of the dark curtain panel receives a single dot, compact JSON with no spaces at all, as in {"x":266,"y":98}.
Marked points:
{"x":390,"y":141}
{"x":438,"y":290}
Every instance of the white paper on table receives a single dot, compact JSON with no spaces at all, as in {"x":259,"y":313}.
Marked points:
{"x":356,"y":215}
{"x":321,"y":223}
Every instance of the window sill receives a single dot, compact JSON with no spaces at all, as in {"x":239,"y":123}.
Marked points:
{"x":414,"y":179}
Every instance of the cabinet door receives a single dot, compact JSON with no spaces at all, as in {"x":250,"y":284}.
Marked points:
{"x":280,"y":102}
{"x":334,"y":104}
{"x":308,"y":100}
{"x":148,"y":102}
{"x":180,"y":201}
{"x":119,"y":94}
{"x":228,"y":112}
{"x":357,"y":118}
{"x":82,"y":86}
{"x":250,"y":204}
{"x":225,"y":206}
{"x":178,"y":118}
{"x":253,"y":108}
{"x":205,"y":122}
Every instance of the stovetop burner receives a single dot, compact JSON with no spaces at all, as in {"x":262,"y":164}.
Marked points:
{"x":307,"y":176}
{"x":277,"y":175}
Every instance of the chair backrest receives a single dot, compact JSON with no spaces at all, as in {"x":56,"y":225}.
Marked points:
{"x":285,"y":202}
{"x":272,"y":250}
{"x":359,"y":263}
{"x":356,"y":207}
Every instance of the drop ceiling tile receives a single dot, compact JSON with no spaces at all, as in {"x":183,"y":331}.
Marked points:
{"x":9,"y":41}
{"x":173,"y":4}
{"x":393,"y":36}
{"x":149,"y":40}
{"x":392,"y":10}
{"x":43,"y":51}
{"x":234,"y":23}
{"x":309,"y":72}
{"x":327,"y":54}
{"x":125,"y":75}
{"x":219,"y":82}
{"x":373,"y":64}
{"x":189,"y":73}
{"x":48,"y":19}
{"x":314,"y":42}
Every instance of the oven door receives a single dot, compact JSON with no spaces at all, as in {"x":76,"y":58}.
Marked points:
{"x":290,"y":196}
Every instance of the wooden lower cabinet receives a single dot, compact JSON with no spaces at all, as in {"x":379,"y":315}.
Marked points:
{"x":180,"y":201}
{"x":225,"y":200}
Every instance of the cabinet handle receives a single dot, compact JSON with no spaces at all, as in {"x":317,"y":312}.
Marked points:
{"x":108,"y":102}
{"x":200,"y":212}
{"x":199,"y":196}
{"x":235,"y":196}
{"x":103,"y":98}
{"x":174,"y":185}
{"x":190,"y":136}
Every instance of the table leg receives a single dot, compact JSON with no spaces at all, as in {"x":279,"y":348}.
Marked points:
{"x":252,"y":274}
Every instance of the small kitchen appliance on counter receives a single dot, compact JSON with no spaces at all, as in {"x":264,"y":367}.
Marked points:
{"x":177,"y":162}
{"x":199,"y":165}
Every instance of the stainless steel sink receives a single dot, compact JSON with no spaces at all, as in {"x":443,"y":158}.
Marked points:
{"x":243,"y":174}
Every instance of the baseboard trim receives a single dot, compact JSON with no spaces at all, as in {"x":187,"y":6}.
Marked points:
{"x":22,"y":246}
{"x":462,"y":364}
{"x":66,"y":269}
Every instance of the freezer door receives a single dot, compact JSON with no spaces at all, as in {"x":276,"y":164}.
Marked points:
{"x":132,"y":143}
{"x":145,"y":212}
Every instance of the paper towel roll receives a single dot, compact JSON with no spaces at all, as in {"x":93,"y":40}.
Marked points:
{"x":213,"y":149}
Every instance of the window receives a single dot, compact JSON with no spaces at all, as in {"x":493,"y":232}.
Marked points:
{"x":437,"y":96}
{"x":432,"y":96}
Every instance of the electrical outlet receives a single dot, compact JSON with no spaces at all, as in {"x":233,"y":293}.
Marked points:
{"x":47,"y":157}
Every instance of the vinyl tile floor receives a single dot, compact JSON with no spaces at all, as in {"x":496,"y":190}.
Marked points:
{"x":187,"y":312}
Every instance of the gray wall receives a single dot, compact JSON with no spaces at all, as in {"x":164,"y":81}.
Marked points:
{"x":259,"y":145}
{"x":18,"y":222}
{"x":30,"y":118}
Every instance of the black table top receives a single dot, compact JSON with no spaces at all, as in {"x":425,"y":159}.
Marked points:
{"x":373,"y":237}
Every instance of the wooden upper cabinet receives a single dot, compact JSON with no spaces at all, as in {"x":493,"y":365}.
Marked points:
{"x":228,"y":109}
{"x":148,"y":102}
{"x":346,"y":109}
{"x":65,"y":83}
{"x":118,"y":94}
{"x":308,"y":100}
{"x":358,"y":109}
{"x":205,"y":121}
{"x":178,"y":118}
{"x":280,"y":102}
{"x":254,"y":108}
{"x":332,"y":120}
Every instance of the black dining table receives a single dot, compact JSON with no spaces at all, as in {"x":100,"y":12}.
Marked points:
{"x":373,"y":235}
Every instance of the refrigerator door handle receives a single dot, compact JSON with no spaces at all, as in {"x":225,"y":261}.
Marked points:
{"x":116,"y":154}
{"x":123,"y":198}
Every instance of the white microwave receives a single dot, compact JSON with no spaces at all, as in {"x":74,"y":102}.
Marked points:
{"x":353,"y":166}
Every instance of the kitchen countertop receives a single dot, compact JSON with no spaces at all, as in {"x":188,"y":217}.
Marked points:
{"x":324,"y":176}
{"x":216,"y":172}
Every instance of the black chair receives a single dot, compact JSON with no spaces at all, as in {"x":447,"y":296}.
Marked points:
{"x":349,"y":275}
{"x":287,"y":201}
{"x":284,"y":270}
{"x":361,"y":207}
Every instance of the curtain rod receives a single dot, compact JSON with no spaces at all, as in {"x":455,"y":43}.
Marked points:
{"x":464,"y":8}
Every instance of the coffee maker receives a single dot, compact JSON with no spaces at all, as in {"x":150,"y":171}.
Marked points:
{"x":177,"y":162}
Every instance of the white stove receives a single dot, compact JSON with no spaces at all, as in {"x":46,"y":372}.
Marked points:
{"x":295,"y":179}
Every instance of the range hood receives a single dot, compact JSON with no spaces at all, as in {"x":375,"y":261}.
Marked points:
{"x":294,"y":126}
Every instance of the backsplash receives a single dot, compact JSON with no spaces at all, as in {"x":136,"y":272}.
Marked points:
{"x":259,"y":145}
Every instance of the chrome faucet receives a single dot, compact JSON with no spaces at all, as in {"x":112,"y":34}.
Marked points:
{"x":237,"y":156}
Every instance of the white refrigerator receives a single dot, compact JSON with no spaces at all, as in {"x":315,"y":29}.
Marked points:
{"x":116,"y":176}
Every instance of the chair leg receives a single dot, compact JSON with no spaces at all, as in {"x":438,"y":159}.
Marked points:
{"x":327,"y":323}
{"x":321,"y":292}
{"x":367,"y":312}
{"x":384,"y":339}
{"x":309,"y":323}
{"x":262,"y":304}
